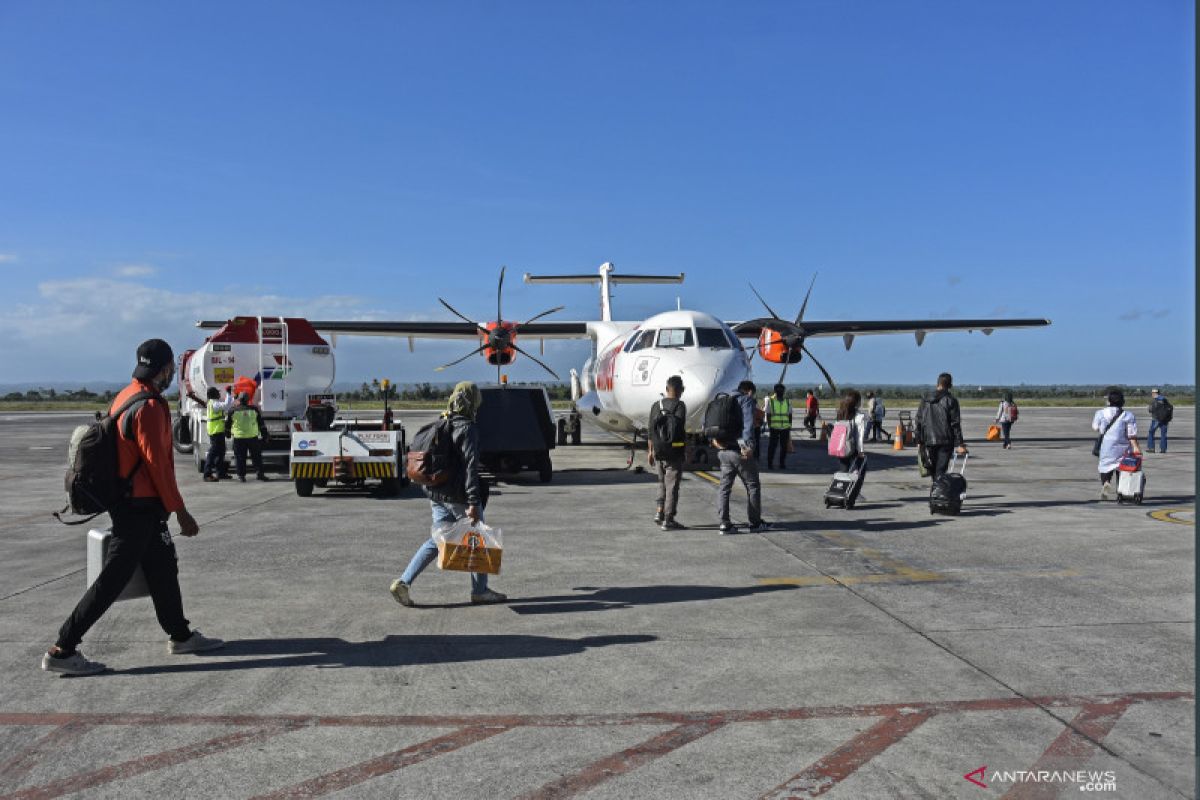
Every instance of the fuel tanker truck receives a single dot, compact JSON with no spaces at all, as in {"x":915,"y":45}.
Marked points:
{"x":282,"y":362}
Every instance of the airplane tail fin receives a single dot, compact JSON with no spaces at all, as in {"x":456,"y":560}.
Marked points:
{"x":605,"y":277}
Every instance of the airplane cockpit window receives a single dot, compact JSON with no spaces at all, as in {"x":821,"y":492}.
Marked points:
{"x":640,"y":341}
{"x":712,"y":337}
{"x":675,"y":337}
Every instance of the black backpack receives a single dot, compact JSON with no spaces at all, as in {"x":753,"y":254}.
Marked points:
{"x":723,"y":418}
{"x":430,"y":459}
{"x":668,"y":436}
{"x":1163,"y":412}
{"x":93,"y":482}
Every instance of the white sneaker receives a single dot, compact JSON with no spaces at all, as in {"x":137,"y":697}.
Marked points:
{"x":1104,"y":489}
{"x":399,"y":590}
{"x":74,"y":664}
{"x":197,"y":643}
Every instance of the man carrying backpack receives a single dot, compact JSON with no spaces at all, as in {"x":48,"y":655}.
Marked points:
{"x":736,"y":455}
{"x":463,"y":495}
{"x":939,"y":427}
{"x":778,"y":410}
{"x":668,"y":440}
{"x":139,"y":521}
{"x":1161,"y":414}
{"x":246,"y":427}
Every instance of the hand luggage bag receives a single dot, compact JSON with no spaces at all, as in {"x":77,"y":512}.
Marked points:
{"x":97,"y":554}
{"x":1131,"y":486}
{"x":948,"y":490}
{"x":843,"y":490}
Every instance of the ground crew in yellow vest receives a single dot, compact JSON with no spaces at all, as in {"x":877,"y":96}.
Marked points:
{"x":214,"y":462}
{"x":778,"y":411}
{"x":246,"y":426}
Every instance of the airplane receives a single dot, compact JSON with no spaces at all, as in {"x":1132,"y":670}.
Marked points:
{"x":631,"y":361}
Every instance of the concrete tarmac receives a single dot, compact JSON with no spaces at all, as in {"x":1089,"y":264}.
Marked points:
{"x":1041,"y":644}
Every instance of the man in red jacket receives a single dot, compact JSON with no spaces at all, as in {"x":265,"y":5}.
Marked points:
{"x":139,"y":525}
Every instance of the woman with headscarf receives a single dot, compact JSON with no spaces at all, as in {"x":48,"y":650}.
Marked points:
{"x":1118,"y":435}
{"x":1006,"y":415}
{"x":464,"y":495}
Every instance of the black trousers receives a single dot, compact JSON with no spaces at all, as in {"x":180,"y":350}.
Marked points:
{"x":254,"y":448}
{"x":778,"y":439}
{"x":939,"y":458}
{"x":214,"y":462}
{"x":810,"y":423}
{"x":138,"y":537}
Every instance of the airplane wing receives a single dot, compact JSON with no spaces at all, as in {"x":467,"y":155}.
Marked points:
{"x":430,"y":330}
{"x":848,"y":329}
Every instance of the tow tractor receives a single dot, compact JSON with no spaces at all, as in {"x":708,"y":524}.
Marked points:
{"x":349,"y":454}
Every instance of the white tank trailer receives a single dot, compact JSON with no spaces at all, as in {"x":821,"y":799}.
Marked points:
{"x":283,"y":360}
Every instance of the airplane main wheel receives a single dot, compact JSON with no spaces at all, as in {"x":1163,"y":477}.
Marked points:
{"x":562,"y":433}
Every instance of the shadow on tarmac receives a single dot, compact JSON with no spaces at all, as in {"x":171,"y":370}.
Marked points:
{"x":619,"y":597}
{"x":392,"y":651}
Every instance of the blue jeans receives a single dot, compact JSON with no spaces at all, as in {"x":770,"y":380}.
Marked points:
{"x":1155,"y":425}
{"x":443,"y":514}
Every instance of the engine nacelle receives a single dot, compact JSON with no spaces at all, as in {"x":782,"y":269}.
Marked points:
{"x":499,"y":356}
{"x":773,"y":348}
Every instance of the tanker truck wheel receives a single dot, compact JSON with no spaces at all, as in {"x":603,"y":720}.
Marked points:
{"x":181,"y":435}
{"x":545,"y":470}
{"x":389,"y":487}
{"x":304,"y":487}
{"x":562,"y":432}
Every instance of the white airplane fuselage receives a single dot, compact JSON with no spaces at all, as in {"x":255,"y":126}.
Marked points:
{"x":632,"y":362}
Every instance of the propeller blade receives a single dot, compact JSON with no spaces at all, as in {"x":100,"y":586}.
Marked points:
{"x":479,"y":349}
{"x":536,"y":361}
{"x":770,"y":310}
{"x":800,"y":316}
{"x":783,"y":374}
{"x":824,"y":371}
{"x":499,"y":292}
{"x":461,"y":316}
{"x":543,"y":314}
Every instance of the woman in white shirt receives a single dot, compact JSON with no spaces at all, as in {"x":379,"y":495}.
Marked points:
{"x":1118,"y":429}
{"x":1004,"y":418}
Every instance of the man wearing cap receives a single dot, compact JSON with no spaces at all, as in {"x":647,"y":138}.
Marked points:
{"x":139,"y":526}
{"x":1161,"y":413}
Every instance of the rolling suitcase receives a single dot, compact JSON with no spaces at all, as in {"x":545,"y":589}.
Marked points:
{"x":1131,"y":486}
{"x":948,"y":490}
{"x":843,"y":490}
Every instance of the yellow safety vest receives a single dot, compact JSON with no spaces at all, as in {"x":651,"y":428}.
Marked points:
{"x":216,"y":418}
{"x":780,"y":416}
{"x":245,"y":423}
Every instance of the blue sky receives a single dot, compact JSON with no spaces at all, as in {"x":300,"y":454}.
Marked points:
{"x":164,"y":162}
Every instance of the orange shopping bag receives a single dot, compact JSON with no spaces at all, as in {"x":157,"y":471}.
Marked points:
{"x":469,"y":547}
{"x":993,"y":433}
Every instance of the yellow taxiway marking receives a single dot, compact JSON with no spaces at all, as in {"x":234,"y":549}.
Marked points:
{"x":1168,"y":515}
{"x":707,"y":476}
{"x":896,"y":569}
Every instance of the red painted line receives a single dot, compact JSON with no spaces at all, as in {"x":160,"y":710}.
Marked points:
{"x":138,"y":766}
{"x":830,"y":770}
{"x":1071,"y":750}
{"x":375,"y":767}
{"x":625,"y":761}
{"x":13,"y":772}
{"x":591,"y":720}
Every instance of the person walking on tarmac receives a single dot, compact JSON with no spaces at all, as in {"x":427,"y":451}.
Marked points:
{"x":666,"y":445}
{"x":139,"y":524}
{"x":939,"y":427}
{"x":778,"y":411}
{"x":214,"y":462}
{"x":1161,"y":414}
{"x":464,"y":495}
{"x":812,"y":409}
{"x":246,"y":426}
{"x":736,"y":456}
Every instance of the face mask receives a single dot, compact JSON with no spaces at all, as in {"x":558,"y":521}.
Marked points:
{"x":163,"y":383}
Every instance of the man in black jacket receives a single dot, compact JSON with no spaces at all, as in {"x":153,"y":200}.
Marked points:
{"x":670,"y":456}
{"x":464,"y":495}
{"x":939,"y":427}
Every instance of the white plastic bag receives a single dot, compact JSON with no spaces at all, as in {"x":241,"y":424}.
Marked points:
{"x":466,"y":546}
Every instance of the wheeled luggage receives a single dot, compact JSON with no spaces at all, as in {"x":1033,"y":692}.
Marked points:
{"x":1131,"y":486}
{"x":844,"y":489}
{"x":949,"y":489}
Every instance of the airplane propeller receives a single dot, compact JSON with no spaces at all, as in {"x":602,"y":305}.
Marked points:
{"x":499,"y":337}
{"x":791,"y":334}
